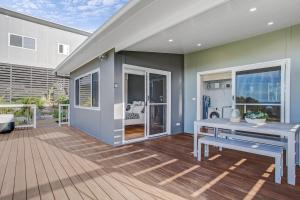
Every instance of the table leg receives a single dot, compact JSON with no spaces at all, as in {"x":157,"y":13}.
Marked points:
{"x":291,"y":176}
{"x":216,"y":131}
{"x":195,"y":139}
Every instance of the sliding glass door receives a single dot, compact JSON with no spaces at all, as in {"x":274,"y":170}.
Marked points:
{"x":153,"y":96}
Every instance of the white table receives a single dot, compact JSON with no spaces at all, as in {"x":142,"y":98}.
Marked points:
{"x":289,"y":131}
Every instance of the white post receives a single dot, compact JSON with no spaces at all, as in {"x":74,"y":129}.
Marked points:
{"x":34,"y":116}
{"x":59,"y":115}
{"x":68,"y":114}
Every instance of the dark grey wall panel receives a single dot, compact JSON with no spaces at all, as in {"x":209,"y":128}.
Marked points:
{"x":168,"y":62}
{"x":84,"y":119}
{"x":97,"y":123}
{"x":106,"y":124}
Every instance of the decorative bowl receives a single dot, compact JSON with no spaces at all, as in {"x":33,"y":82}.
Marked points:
{"x":255,"y":121}
{"x":256,"y":117}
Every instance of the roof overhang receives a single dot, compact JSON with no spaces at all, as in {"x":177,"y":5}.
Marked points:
{"x":135,"y":22}
{"x":148,"y":25}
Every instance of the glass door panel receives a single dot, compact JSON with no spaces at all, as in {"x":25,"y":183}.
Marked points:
{"x":158,"y":120}
{"x":158,"y":103}
{"x":158,"y":88}
{"x":135,"y":105}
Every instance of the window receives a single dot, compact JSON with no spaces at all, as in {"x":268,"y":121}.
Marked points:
{"x":22,"y":41}
{"x":95,"y":92}
{"x":28,"y":43}
{"x":260,"y":90}
{"x":87,"y":90}
{"x":77,"y":92}
{"x":16,"y":40}
{"x":63,"y":49}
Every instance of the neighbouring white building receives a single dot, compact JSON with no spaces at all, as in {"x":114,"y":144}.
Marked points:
{"x":29,"y":50}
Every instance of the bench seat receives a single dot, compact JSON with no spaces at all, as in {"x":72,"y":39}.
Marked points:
{"x":245,"y":146}
{"x":282,"y":142}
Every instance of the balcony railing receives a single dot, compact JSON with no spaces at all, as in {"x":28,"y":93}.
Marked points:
{"x":64,"y":114}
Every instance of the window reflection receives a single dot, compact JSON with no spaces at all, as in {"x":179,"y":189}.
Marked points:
{"x":259,"y":90}
{"x":259,"y":86}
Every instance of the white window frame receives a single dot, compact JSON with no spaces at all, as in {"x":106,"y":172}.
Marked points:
{"x":67,"y":45}
{"x":285,"y":84}
{"x":35,"y":41}
{"x":77,"y":78}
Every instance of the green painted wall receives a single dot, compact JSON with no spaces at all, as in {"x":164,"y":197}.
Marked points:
{"x":276,"y":45}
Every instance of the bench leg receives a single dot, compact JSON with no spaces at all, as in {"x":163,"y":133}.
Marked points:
{"x":281,"y":164}
{"x":278,"y":169}
{"x":206,"y":150}
{"x":199,"y":151}
{"x":286,"y":156}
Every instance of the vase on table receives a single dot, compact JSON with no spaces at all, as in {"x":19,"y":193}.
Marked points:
{"x":235,"y":115}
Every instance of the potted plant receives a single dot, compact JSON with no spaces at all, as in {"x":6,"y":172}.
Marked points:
{"x":256,"y":117}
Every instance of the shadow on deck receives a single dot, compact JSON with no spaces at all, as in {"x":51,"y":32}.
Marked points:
{"x":64,"y":163}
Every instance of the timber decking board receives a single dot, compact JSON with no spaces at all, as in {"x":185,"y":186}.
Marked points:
{"x":55,"y":163}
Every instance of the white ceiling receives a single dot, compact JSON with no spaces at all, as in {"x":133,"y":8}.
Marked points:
{"x":229,"y":22}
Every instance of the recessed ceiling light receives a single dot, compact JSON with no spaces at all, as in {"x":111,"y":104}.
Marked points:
{"x":199,"y":44}
{"x":171,"y":40}
{"x":270,"y":23}
{"x":252,"y":9}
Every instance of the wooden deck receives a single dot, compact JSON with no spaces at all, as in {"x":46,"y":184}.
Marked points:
{"x":64,"y":163}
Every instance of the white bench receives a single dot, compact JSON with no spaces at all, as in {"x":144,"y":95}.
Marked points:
{"x":248,"y":137}
{"x":245,"y":146}
{"x":282,"y":142}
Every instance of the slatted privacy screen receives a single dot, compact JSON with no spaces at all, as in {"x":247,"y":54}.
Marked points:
{"x":21,"y":81}
{"x":5,"y":82}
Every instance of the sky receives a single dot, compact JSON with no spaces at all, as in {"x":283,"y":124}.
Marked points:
{"x":86,"y":15}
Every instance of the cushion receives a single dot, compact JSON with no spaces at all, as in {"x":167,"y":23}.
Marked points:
{"x":128,"y":107}
{"x":137,"y":109}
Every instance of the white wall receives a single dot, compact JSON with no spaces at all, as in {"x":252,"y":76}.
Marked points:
{"x":220,"y":97}
{"x":46,"y":54}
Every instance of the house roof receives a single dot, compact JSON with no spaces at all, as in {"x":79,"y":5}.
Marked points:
{"x":42,"y":22}
{"x":190,"y":26}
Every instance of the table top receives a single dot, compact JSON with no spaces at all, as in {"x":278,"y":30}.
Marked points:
{"x":272,"y":128}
